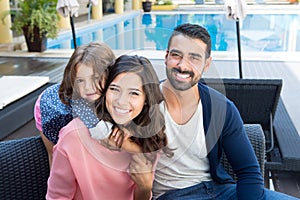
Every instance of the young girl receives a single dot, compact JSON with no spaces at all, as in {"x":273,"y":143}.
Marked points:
{"x":53,"y":109}
{"x":86,"y":168}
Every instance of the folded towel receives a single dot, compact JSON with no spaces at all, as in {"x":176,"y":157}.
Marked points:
{"x":67,"y":7}
{"x":13,"y":88}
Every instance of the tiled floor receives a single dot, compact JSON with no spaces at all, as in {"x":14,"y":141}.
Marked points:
{"x":52,"y":67}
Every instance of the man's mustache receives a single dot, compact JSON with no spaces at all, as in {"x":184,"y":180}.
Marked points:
{"x":183,"y":72}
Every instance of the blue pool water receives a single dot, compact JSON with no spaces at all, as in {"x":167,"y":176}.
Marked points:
{"x":258,"y":32}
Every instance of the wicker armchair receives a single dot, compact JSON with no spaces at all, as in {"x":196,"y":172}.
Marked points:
{"x":258,"y":101}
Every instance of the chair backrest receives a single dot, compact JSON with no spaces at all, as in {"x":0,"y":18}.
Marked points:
{"x":255,"y":99}
{"x":24,"y":169}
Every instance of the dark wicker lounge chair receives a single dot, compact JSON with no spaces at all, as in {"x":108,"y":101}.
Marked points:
{"x":18,"y":113}
{"x":258,"y":101}
{"x":286,"y":155}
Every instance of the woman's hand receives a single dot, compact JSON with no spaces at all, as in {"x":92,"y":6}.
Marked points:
{"x":140,"y":171}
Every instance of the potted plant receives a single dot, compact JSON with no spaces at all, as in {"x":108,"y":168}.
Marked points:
{"x":164,"y":5}
{"x":146,"y":5}
{"x":37,"y":20}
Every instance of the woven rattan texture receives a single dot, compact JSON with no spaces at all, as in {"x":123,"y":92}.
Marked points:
{"x":24,"y":169}
{"x":257,"y":139}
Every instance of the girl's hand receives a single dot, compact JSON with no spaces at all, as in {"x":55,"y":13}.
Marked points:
{"x":112,"y":141}
{"x":126,"y":144}
{"x":117,"y":137}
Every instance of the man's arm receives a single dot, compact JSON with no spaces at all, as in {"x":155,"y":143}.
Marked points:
{"x":241,"y":156}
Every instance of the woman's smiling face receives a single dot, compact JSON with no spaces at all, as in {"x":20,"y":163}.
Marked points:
{"x":125,"y":97}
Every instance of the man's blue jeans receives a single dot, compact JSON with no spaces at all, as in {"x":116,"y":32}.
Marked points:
{"x":213,"y":191}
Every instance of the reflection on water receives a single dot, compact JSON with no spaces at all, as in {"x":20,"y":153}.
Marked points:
{"x":259,"y":32}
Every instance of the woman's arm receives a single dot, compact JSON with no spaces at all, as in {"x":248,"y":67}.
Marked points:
{"x":141,"y":172}
{"x":140,"y":169}
{"x":61,"y":182}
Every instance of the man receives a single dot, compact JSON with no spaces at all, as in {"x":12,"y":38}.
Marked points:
{"x":200,"y":122}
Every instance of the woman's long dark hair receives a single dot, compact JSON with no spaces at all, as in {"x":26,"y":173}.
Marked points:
{"x":148,"y":128}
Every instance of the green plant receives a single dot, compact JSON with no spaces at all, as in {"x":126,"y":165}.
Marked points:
{"x":164,"y":2}
{"x":168,"y":2}
{"x":41,"y":14}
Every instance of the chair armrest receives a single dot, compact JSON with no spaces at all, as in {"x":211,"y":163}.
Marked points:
{"x":257,"y":139}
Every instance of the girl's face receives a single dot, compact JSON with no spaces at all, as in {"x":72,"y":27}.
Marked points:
{"x":125,"y":97}
{"x":86,"y":81}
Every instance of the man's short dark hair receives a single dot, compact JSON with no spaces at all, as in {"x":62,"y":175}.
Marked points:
{"x":193,"y":31}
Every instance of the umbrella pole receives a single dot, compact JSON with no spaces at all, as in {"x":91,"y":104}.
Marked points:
{"x":73,"y":31}
{"x":239,"y":47}
{"x":89,"y":10}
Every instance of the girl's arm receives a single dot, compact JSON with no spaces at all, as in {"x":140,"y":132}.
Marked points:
{"x":49,"y":147}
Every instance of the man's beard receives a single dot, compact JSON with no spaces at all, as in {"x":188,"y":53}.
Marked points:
{"x":178,"y":85}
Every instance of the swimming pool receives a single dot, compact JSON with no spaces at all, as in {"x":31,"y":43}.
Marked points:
{"x":139,"y":31}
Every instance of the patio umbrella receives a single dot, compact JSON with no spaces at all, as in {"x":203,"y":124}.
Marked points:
{"x":69,"y":8}
{"x":236,"y":10}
